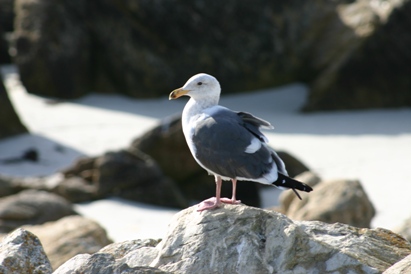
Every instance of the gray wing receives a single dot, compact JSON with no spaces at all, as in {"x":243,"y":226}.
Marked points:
{"x":221,"y":141}
{"x":253,"y":124}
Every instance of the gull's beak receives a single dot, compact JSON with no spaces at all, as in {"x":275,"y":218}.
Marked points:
{"x":177,"y":93}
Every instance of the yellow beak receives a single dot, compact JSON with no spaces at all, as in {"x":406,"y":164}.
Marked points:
{"x":177,"y":93}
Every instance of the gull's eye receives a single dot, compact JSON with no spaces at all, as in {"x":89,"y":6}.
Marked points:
{"x":199,"y":83}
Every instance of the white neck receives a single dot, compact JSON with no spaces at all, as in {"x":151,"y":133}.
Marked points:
{"x":195,"y":107}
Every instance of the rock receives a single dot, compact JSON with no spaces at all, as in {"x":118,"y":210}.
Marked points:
{"x":112,"y":259}
{"x":83,"y":167}
{"x":32,"y":207}
{"x":343,"y":201}
{"x":6,"y":25}
{"x":373,"y":69}
{"x":52,"y":47}
{"x":242,"y":239}
{"x":69,"y":236}
{"x":402,"y":267}
{"x":4,"y":46}
{"x":7,"y":186}
{"x":136,"y":176}
{"x":405,"y":229}
{"x":21,"y":252}
{"x":7,"y":15}
{"x":126,"y":174}
{"x":167,"y":146}
{"x":350,"y":52}
{"x":10,"y":123}
{"x":293,"y":165}
{"x":76,"y":189}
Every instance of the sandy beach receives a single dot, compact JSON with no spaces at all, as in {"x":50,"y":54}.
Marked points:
{"x":373,"y":146}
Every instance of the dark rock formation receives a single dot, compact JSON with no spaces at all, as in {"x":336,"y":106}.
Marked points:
{"x":354,"y":53}
{"x":10,"y":123}
{"x":6,"y":26}
{"x":375,"y":72}
{"x":131,"y":175}
{"x":53,"y":47}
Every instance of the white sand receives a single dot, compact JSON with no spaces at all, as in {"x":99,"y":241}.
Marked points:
{"x":373,"y":146}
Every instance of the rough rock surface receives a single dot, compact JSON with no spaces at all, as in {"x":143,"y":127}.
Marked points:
{"x":114,"y":258}
{"x":343,"y":201}
{"x":32,"y":207}
{"x":402,"y":267}
{"x":69,"y":236}
{"x":351,"y":51}
{"x":10,"y":123}
{"x":22,"y":252}
{"x":241,"y":239}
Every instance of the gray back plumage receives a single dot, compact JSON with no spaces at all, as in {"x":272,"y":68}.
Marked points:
{"x":221,"y":140}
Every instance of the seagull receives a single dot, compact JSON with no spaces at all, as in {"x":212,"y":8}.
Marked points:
{"x":228,"y":144}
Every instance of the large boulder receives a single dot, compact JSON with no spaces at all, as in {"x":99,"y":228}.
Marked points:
{"x":350,"y":51}
{"x":373,"y":70}
{"x":241,"y":239}
{"x":333,"y":201}
{"x":68,"y":237}
{"x":6,"y":15}
{"x":126,"y":174}
{"x":52,"y":45}
{"x":6,"y":26}
{"x":22,"y":252}
{"x":10,"y":123}
{"x":32,"y":207}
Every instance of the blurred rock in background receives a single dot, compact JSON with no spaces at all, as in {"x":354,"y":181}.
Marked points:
{"x":352,"y":53}
{"x":6,"y":27}
{"x":32,"y":207}
{"x":10,"y":123}
{"x":334,"y":201}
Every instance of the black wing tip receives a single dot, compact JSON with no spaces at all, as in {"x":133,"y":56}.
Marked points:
{"x":293,"y":184}
{"x":307,"y":188}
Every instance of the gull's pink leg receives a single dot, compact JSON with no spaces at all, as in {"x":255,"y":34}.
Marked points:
{"x":233,"y":200}
{"x":212,"y":202}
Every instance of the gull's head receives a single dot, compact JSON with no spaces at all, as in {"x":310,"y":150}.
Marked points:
{"x":199,"y":86}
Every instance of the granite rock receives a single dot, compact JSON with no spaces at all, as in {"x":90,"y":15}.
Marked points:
{"x":69,"y":236}
{"x":22,"y":252}
{"x":242,"y":239}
